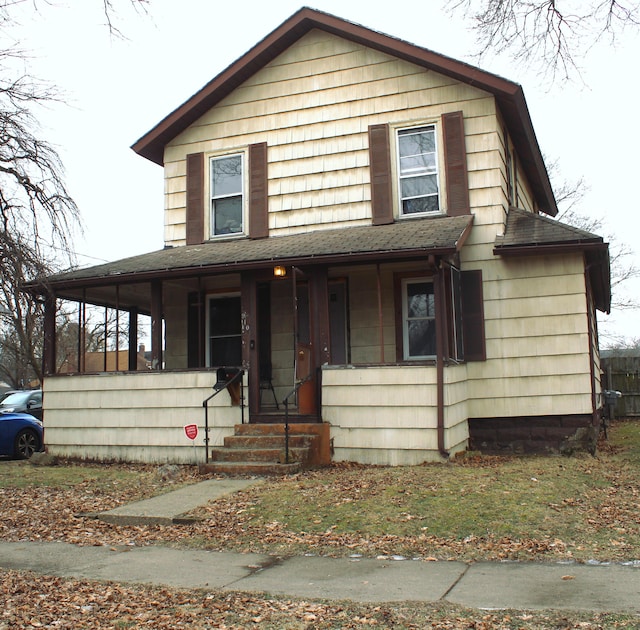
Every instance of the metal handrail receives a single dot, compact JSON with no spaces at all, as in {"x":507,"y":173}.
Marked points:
{"x":285,"y":402}
{"x":218,"y":387}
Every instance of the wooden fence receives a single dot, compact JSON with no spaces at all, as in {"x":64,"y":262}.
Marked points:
{"x":623,"y":374}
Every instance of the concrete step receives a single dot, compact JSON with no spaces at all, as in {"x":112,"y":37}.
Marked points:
{"x":259,"y":449}
{"x":271,"y":428}
{"x":250,"y":468}
{"x":234,"y":454}
{"x":266,"y":441}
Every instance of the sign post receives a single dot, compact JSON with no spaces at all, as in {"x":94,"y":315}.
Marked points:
{"x":191,"y":431}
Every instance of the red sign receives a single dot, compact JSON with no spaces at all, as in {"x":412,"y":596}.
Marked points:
{"x":191,"y":430}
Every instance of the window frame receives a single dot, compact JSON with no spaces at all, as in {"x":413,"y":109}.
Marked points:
{"x":438,"y":168}
{"x":242,"y":194}
{"x":208,"y":332}
{"x":404,"y":284}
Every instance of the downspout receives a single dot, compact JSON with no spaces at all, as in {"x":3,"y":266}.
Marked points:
{"x":440,"y":330}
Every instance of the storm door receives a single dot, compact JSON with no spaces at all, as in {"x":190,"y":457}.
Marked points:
{"x":339,"y":322}
{"x":224,"y":347}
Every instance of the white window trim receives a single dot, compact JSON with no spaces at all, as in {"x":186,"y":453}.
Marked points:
{"x":209,"y":210}
{"x":396,"y":129}
{"x":405,"y":317}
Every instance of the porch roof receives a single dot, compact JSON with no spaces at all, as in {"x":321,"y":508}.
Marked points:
{"x":402,"y":240}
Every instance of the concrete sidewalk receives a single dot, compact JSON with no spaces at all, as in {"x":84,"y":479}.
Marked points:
{"x":169,"y":508}
{"x":486,"y":585}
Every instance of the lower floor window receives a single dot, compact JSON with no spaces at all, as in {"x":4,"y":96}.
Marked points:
{"x":225,"y":341}
{"x":418,"y":318}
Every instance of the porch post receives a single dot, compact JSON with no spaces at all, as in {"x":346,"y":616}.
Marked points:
{"x":133,"y":339}
{"x":156,"y":324}
{"x":49,"y":350}
{"x":250,"y":341}
{"x":441,"y":329}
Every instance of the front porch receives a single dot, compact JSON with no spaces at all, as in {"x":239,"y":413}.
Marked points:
{"x":374,"y":414}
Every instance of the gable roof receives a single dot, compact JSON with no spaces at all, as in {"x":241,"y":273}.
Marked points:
{"x":509,"y":95}
{"x":528,"y":234}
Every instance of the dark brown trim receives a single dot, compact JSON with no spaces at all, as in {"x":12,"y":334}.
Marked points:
{"x":133,"y":339}
{"x":139,"y":277}
{"x":195,"y":328}
{"x":258,"y":191}
{"x":509,"y":95}
{"x":250,"y":341}
{"x":544,"y":250}
{"x":380,"y":313}
{"x":473,"y":334}
{"x":49,"y":350}
{"x":455,"y":160}
{"x":156,"y":325}
{"x":440,"y":350}
{"x":398,"y":297}
{"x":380,"y":174}
{"x":195,"y":199}
{"x":319,"y":300}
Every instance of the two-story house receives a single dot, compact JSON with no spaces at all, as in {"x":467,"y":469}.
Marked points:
{"x":363,"y":222}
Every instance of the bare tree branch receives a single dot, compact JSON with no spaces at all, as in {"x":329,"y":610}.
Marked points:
{"x":550,"y":36}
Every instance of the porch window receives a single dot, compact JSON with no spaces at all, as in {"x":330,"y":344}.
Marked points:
{"x":418,"y":318}
{"x":224,"y":323}
{"x":418,"y":171}
{"x":227,"y":195}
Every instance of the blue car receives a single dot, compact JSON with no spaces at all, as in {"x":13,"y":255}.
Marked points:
{"x":21,"y":435}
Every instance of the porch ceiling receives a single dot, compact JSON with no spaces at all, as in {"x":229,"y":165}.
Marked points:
{"x":402,"y":240}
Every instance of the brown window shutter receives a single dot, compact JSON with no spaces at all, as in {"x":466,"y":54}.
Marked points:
{"x":258,"y":192}
{"x":455,"y":159}
{"x":380,"y":168}
{"x":473,"y":316}
{"x":195,"y":198}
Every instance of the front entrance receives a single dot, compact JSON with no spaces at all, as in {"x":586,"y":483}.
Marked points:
{"x":286,"y":326}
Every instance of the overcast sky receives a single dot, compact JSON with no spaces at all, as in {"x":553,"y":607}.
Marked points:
{"x":116,"y":90}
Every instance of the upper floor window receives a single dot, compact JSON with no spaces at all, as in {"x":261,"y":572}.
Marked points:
{"x":418,"y":171}
{"x":227,"y":195}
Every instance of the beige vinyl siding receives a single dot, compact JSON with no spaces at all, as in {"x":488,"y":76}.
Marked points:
{"x":595,"y":351}
{"x":314,"y":115}
{"x":536,"y":337}
{"x":456,"y":408}
{"x":134,"y":417}
{"x":386,"y":415}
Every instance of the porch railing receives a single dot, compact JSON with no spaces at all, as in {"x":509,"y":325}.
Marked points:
{"x":224,"y":378}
